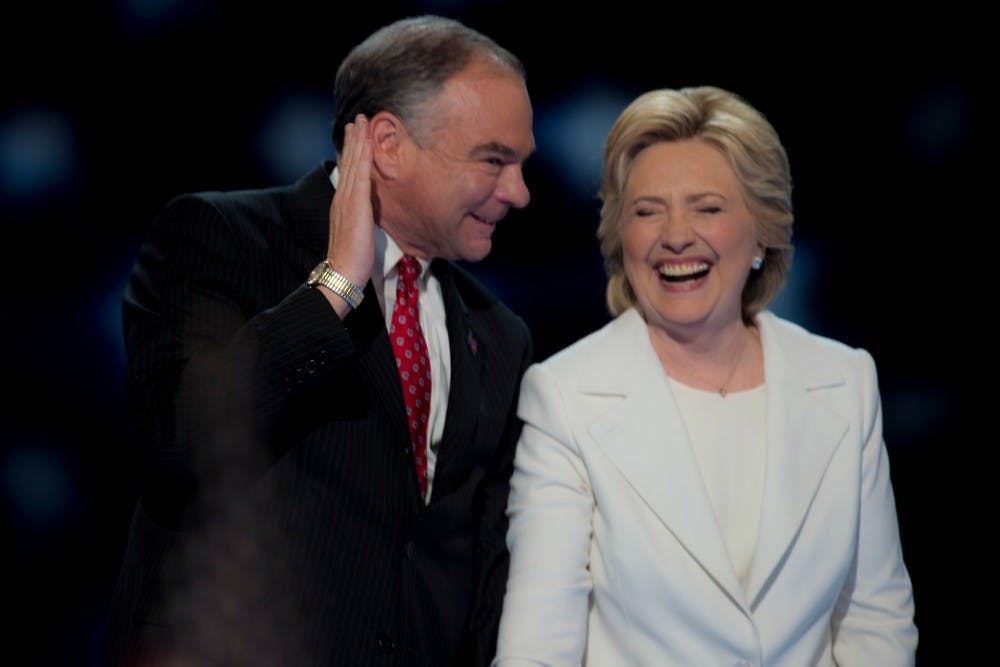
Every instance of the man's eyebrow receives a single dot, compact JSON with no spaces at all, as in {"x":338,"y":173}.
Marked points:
{"x":496,"y":148}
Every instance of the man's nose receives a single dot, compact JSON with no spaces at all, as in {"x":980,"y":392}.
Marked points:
{"x":511,"y":189}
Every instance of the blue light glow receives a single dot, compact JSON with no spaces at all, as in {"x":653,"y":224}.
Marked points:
{"x":38,"y":155}
{"x":571,"y":133}
{"x":296,"y":135}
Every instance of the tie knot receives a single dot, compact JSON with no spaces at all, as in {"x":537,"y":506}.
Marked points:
{"x":408,"y":268}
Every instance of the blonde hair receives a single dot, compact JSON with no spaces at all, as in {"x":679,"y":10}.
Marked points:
{"x":747,"y":140}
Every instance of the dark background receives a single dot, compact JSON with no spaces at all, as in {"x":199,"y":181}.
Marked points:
{"x":110,"y":110}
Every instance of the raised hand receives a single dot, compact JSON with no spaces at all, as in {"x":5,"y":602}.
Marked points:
{"x":351,"y":247}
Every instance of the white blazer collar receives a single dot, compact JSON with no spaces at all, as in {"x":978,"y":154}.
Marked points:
{"x":645,"y":437}
{"x":802,"y":436}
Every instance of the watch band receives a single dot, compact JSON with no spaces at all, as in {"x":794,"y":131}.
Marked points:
{"x":338,"y":284}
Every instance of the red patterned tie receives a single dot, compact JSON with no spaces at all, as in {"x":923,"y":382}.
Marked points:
{"x":411,"y":359}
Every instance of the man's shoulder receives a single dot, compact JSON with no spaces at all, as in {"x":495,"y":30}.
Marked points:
{"x":475,"y":294}
{"x":234,"y":203}
{"x":263,"y":203}
{"x":262,"y":213}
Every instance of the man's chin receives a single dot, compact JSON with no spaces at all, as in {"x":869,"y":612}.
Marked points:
{"x":475,"y":251}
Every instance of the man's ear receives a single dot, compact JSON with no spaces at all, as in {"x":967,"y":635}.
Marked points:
{"x":388,"y":143}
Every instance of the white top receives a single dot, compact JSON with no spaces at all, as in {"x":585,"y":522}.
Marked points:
{"x":729,"y":443}
{"x":433,"y":323}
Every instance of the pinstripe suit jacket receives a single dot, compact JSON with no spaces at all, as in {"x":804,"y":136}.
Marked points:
{"x":280,"y":520}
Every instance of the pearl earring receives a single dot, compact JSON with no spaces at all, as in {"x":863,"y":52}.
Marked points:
{"x":757,"y":263}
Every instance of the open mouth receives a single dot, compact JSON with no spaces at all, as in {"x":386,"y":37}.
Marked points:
{"x":681,"y":273}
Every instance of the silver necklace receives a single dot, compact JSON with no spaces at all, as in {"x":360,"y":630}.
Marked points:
{"x":723,"y":390}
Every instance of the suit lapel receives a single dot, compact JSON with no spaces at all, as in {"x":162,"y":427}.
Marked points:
{"x":467,"y":348}
{"x":802,"y":436}
{"x":645,"y":437}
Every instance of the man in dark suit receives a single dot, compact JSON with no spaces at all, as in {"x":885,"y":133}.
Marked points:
{"x":290,"y":512}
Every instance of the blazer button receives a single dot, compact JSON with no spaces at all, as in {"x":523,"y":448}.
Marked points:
{"x":385,"y":644}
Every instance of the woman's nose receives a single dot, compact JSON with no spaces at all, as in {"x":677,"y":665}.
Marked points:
{"x":676,"y":232}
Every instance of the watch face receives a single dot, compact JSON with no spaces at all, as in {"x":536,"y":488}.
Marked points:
{"x":316,"y":272}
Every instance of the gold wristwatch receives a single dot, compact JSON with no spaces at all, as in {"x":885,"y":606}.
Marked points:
{"x":324,"y":274}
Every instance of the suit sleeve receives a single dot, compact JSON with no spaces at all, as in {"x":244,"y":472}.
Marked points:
{"x":873,"y":621}
{"x":551,"y":508}
{"x":210,"y":374}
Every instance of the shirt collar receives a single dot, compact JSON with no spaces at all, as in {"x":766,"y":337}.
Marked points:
{"x":388,"y":252}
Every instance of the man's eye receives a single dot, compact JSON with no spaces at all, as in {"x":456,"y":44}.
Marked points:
{"x":710,"y":209}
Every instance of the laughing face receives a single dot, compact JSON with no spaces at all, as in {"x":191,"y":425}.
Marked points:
{"x":687,"y":238}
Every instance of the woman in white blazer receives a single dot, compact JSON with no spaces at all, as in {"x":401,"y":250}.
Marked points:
{"x":701,"y":482}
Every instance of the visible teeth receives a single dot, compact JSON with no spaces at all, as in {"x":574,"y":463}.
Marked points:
{"x":680,"y":270}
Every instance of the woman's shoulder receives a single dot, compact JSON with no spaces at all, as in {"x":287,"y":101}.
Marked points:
{"x":606,"y":343}
{"x":807,"y":348}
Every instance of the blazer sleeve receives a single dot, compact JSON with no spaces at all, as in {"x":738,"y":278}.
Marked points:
{"x":873,"y":622}
{"x":211,"y":371}
{"x":544,"y":620}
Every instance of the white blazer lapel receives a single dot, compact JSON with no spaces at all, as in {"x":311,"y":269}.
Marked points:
{"x":645,"y":437}
{"x":802,"y":435}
